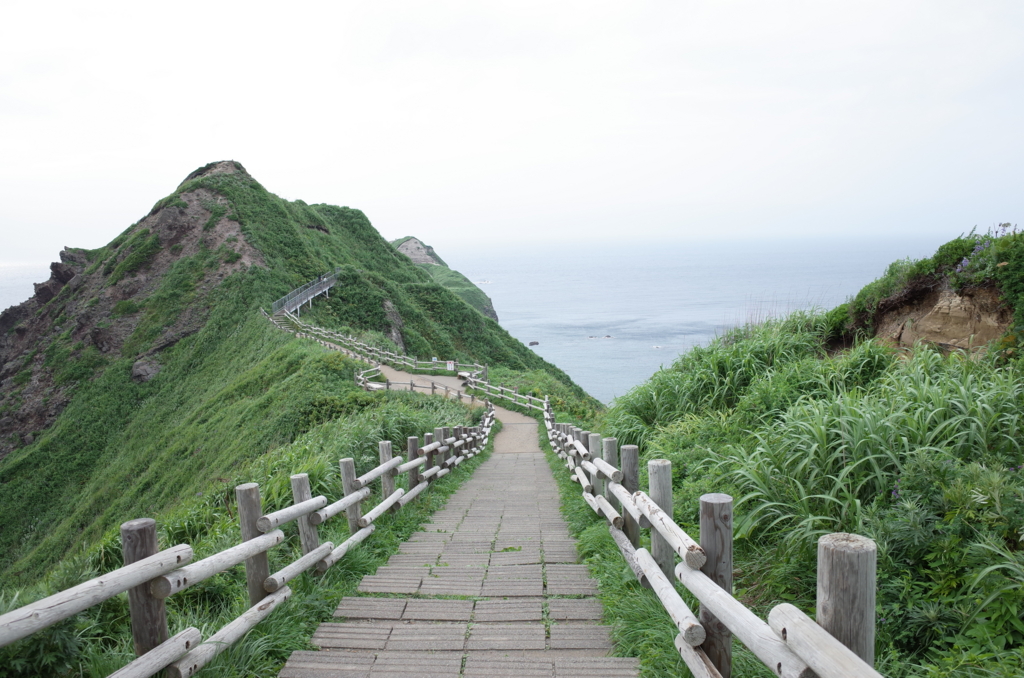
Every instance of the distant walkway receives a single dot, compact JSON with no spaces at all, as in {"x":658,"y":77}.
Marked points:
{"x":490,"y":589}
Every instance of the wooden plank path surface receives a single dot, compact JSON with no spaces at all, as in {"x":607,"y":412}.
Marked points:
{"x":490,"y":588}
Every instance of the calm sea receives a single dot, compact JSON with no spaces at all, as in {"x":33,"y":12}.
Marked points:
{"x":611,"y":315}
{"x":16,"y":281}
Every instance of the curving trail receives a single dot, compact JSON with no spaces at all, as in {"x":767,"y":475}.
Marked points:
{"x":490,"y":588}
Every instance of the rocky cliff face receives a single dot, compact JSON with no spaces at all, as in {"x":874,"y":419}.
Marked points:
{"x":938,"y":315}
{"x":418,"y":252}
{"x":99,"y":305}
{"x":425,"y":257}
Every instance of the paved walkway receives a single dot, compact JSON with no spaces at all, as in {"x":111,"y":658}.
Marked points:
{"x":490,"y":588}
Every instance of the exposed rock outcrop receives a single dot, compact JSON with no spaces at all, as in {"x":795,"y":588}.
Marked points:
{"x":941,"y":316}
{"x":95,"y":300}
{"x":418,"y":252}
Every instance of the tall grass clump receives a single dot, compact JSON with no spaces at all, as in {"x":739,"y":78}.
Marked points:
{"x":919,"y":450}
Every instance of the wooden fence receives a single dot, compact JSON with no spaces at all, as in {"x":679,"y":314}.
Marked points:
{"x":374,"y":354}
{"x":839,"y":645}
{"x":150,"y":576}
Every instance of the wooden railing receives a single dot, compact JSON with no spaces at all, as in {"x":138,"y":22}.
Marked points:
{"x":151,"y":576}
{"x":839,"y":645}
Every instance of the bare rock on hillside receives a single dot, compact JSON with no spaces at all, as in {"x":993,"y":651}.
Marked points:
{"x":418,"y":252}
{"x":74,"y":310}
{"x":964,"y":320}
{"x":395,"y":320}
{"x":145,"y":369}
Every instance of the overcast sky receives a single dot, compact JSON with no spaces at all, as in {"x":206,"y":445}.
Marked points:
{"x":474,"y":121}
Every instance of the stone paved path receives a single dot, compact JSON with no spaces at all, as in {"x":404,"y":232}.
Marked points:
{"x":490,"y":588}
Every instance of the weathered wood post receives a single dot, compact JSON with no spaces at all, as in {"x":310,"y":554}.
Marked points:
{"x":308,"y":535}
{"x":610,"y":452}
{"x":631,"y":481}
{"x":387,"y":384}
{"x":846,"y":591}
{"x":659,"y":472}
{"x":428,"y":438}
{"x":148,"y":613}
{"x":440,"y":437}
{"x":257,"y":568}
{"x":348,"y":486}
{"x":387,"y":481}
{"x":412,"y":446}
{"x":716,"y":540}
{"x":433,"y":388}
{"x":597,"y":452}
{"x":485,"y":373}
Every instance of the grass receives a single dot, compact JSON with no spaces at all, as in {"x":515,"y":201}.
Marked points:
{"x":229,"y":392}
{"x":920,"y":452}
{"x":98,"y":641}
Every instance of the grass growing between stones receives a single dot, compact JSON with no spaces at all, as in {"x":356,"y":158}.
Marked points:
{"x":98,"y":641}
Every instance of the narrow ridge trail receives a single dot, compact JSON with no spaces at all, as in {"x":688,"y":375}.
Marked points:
{"x":490,"y":588}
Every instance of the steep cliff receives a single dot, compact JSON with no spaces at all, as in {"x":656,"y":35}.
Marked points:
{"x":423,"y":255}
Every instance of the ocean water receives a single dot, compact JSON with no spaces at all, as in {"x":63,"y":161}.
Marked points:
{"x":16,"y":281}
{"x":610,"y":316}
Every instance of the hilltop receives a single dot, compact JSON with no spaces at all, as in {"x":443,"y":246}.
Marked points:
{"x":423,"y":255}
{"x":142,"y":372}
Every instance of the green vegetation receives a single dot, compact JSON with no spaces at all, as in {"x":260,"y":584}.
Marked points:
{"x":919,"y":450}
{"x":462,"y":287}
{"x":922,"y":454}
{"x":970,"y":260}
{"x":98,"y":641}
{"x":454,"y":281}
{"x":232,"y":388}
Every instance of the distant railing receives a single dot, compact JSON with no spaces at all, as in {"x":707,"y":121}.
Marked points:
{"x":291,"y":302}
{"x":150,"y":576}
{"x":377,"y":356}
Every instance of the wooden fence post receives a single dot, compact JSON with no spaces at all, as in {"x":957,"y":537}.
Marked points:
{"x":596,"y":451}
{"x":308,"y":535}
{"x":610,"y":452}
{"x":440,"y":437}
{"x":659,"y":472}
{"x":148,"y":613}
{"x":387,"y":481}
{"x":631,"y":481}
{"x":846,"y":591}
{"x":716,"y":540}
{"x":412,"y":446}
{"x":348,"y":486}
{"x":257,"y":568}
{"x":428,"y":438}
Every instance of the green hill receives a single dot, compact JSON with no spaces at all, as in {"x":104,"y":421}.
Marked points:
{"x":143,"y":374}
{"x":423,"y":255}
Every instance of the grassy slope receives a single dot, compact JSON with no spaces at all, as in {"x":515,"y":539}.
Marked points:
{"x":229,"y":393}
{"x":923,"y":454}
{"x":98,"y":641}
{"x":462,"y":286}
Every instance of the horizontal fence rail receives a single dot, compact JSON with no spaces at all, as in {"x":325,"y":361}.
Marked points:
{"x":151,"y":576}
